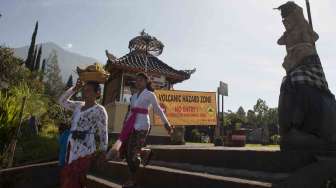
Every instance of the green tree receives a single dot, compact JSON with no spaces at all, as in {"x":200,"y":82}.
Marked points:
{"x":233,"y":120}
{"x":37,"y":63}
{"x":260,"y":110}
{"x":31,"y":52}
{"x":53,"y":78}
{"x":43,"y":69}
{"x":261,"y":107}
{"x":11,"y":70}
{"x":251,"y":119}
{"x":272,"y":120}
{"x":241,"y":111}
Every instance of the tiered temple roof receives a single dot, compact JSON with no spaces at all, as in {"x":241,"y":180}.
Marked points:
{"x":142,"y":58}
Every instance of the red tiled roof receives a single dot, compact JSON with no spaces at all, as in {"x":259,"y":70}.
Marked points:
{"x":136,"y":62}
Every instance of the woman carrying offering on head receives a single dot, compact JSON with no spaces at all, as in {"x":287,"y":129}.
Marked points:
{"x":89,"y":121}
{"x":137,"y":125}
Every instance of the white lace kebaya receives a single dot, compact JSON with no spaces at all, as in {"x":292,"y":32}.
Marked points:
{"x":92,"y":121}
{"x":144,"y":100}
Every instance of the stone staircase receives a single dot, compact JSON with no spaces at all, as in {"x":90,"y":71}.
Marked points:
{"x":178,"y":166}
{"x":186,"y":166}
{"x":98,"y":182}
{"x":158,"y":176}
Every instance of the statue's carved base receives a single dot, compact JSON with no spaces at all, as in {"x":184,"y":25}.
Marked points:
{"x":307,"y":114}
{"x":296,"y":140}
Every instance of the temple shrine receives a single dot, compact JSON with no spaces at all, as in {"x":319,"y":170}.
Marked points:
{"x":143,"y":57}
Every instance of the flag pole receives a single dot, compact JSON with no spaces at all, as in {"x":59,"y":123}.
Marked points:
{"x":309,"y":13}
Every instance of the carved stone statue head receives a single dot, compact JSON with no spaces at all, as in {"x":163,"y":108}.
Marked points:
{"x":292,"y":15}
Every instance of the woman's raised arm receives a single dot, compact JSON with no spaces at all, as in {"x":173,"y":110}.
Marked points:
{"x":65,"y":101}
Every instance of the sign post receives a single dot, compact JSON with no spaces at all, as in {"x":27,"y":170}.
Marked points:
{"x":221,"y":92}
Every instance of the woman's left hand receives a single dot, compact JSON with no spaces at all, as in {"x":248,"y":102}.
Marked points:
{"x":169,"y":128}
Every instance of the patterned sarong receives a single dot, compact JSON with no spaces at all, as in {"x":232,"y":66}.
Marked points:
{"x":128,"y":128}
{"x":309,"y":73}
{"x":73,"y":175}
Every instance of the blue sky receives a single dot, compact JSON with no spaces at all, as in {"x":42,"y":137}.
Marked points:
{"x":229,"y":40}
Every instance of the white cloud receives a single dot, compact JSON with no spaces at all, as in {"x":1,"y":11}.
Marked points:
{"x":69,"y":45}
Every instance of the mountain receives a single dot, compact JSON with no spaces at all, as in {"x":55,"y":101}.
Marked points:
{"x":68,"y":61}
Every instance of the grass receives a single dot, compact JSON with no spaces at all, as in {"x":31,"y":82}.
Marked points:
{"x":38,"y":148}
{"x":262,"y":146}
{"x":247,"y":145}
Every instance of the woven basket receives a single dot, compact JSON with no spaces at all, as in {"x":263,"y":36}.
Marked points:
{"x":93,"y":76}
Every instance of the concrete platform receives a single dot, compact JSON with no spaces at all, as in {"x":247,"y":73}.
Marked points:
{"x":257,"y":159}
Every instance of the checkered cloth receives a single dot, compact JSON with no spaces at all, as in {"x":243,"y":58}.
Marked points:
{"x":311,"y":73}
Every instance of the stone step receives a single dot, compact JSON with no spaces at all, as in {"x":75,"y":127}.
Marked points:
{"x":98,"y":182}
{"x":157,"y":176}
{"x":235,"y":158}
{"x":238,"y":173}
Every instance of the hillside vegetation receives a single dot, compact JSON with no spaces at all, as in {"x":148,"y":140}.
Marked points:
{"x":28,"y":91}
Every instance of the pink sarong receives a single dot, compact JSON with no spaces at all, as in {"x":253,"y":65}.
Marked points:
{"x":128,"y":127}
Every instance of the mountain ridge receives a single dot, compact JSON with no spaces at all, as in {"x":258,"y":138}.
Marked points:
{"x":67,"y":60}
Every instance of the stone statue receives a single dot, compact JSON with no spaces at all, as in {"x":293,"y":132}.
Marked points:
{"x":299,"y":36}
{"x":307,"y":108}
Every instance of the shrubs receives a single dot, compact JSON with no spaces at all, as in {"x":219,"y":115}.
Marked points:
{"x":9,"y":112}
{"x":195,"y":136}
{"x":199,"y":137}
{"x":275,"y":139}
{"x":33,"y":149}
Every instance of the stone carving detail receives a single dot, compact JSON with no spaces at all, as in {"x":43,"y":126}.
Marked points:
{"x":299,"y":36}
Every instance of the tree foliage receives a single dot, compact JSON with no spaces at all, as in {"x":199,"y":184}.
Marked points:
{"x":40,"y":85}
{"x":260,"y":116}
{"x":16,"y":82}
{"x":37,"y":63}
{"x":10,"y":103}
{"x":53,"y":78}
{"x":32,"y":50}
{"x":11,"y":69}
{"x":241,"y":112}
{"x":33,"y":60}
